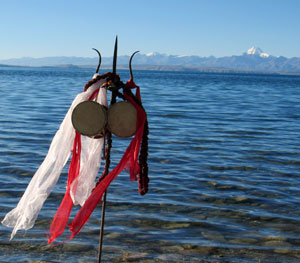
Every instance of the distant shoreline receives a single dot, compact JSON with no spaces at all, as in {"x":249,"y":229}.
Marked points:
{"x":167,"y":68}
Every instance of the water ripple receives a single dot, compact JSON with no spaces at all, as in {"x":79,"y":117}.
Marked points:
{"x":223,"y":160}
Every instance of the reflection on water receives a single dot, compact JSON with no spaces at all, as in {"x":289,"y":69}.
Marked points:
{"x":224,"y":168}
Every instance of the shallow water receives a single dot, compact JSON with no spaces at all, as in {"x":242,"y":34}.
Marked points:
{"x":224,"y":168}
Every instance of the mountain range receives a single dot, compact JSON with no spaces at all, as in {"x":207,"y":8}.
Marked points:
{"x":253,"y":60}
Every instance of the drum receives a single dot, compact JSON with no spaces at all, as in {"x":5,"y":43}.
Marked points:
{"x":89,"y":118}
{"x":121,"y":119}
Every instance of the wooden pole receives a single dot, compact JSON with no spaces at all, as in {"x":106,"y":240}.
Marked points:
{"x":107,"y":153}
{"x":102,"y":227}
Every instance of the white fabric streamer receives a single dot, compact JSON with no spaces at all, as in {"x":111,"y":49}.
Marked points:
{"x":46,"y":177}
{"x":91,"y":149}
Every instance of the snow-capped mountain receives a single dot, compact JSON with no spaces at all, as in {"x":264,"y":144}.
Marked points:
{"x":254,"y":59}
{"x":257,"y":52}
{"x":155,"y":54}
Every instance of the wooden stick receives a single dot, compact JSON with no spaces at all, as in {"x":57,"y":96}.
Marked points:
{"x":107,"y":154}
{"x":102,"y":226}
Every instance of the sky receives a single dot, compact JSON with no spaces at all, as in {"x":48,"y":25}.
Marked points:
{"x":45,"y":28}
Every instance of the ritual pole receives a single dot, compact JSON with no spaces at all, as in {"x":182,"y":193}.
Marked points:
{"x":107,"y":153}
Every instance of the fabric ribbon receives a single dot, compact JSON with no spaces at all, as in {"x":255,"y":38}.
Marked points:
{"x":47,"y":175}
{"x":62,"y":215}
{"x":129,"y":159}
{"x":84,"y":167}
{"x":91,"y":150}
{"x":132,"y":166}
{"x":74,"y":183}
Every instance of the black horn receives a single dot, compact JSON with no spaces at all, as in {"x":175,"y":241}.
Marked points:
{"x":99,"y":63}
{"x":130,"y":68}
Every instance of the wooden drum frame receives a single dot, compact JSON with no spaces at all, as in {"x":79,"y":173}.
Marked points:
{"x":89,"y":118}
{"x":121,"y":120}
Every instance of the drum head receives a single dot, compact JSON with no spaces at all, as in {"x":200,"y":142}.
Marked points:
{"x":121,"y":120}
{"x":89,"y":118}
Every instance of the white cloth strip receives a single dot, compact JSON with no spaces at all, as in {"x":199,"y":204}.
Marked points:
{"x":91,"y":150}
{"x":46,"y":177}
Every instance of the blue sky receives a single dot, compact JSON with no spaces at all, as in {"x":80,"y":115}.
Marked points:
{"x":39,"y":28}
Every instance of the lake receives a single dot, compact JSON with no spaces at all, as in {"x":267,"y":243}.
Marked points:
{"x":224,"y":160}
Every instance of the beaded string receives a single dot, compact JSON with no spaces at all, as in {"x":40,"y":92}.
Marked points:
{"x":143,"y":179}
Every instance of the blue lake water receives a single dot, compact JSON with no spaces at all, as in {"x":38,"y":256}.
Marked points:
{"x":224,"y":160}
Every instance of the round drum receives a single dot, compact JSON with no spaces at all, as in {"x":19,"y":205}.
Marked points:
{"x":121,"y":120}
{"x":89,"y":118}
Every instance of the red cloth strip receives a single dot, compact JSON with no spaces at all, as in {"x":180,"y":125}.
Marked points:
{"x":130,"y":158}
{"x":94,"y":94}
{"x":132,"y":165}
{"x":63,"y":213}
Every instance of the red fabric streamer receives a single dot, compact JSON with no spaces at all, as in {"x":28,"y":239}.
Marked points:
{"x":94,"y":94}
{"x":128,"y":162}
{"x":62,"y":215}
{"x":129,"y":159}
{"x":132,"y":85}
{"x":132,"y":166}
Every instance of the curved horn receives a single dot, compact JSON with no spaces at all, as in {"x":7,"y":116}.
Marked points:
{"x":130,"y":69}
{"x":99,"y":63}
